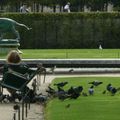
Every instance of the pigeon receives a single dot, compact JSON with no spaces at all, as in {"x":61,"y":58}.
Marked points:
{"x":95,"y":83}
{"x":61,"y":84}
{"x":104,"y":92}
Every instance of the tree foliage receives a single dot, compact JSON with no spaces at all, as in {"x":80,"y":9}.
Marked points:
{"x":76,"y":5}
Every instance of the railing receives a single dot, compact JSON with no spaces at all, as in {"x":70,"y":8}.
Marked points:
{"x":22,"y":114}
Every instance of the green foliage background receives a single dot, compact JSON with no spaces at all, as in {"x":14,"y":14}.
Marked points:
{"x":76,"y":5}
{"x":74,"y":30}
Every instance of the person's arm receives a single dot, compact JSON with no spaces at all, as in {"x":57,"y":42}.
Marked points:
{"x":27,"y":10}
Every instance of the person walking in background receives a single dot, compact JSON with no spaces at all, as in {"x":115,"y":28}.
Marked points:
{"x":67,"y":7}
{"x":24,"y":9}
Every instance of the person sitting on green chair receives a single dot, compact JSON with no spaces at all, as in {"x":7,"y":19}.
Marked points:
{"x":14,"y":64}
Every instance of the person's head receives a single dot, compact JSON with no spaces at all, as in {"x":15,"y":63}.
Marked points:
{"x":68,"y":3}
{"x":25,"y":5}
{"x":13,"y":57}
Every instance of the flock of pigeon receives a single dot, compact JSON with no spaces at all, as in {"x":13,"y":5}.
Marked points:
{"x":75,"y":92}
{"x":71,"y":93}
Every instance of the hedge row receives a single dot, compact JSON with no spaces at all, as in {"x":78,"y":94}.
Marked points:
{"x":74,"y":30}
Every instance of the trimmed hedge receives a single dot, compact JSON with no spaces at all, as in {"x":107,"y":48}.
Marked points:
{"x":74,"y":30}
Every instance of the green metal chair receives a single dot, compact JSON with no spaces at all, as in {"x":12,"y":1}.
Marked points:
{"x":16,"y":81}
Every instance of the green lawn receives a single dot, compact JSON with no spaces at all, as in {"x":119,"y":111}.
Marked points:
{"x":71,"y":53}
{"x":97,"y":107}
{"x":68,"y":53}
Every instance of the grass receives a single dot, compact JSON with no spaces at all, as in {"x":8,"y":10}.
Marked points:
{"x":71,"y":53}
{"x":97,"y":107}
{"x":68,"y":53}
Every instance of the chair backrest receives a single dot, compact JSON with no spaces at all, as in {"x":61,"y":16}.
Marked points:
{"x":15,"y":81}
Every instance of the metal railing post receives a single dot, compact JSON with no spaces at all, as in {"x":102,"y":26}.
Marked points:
{"x":19,"y":113}
{"x":14,"y":116}
{"x":26,"y":111}
{"x":23,"y":110}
